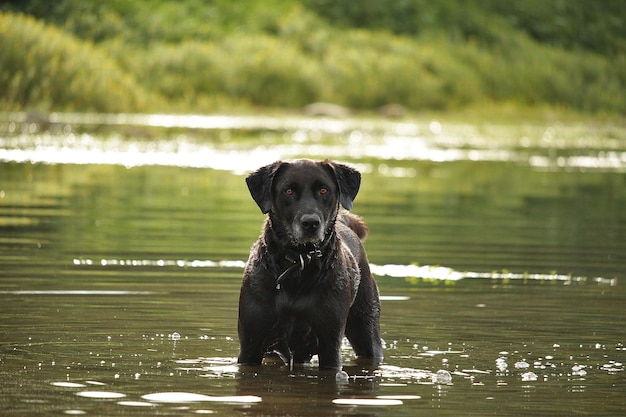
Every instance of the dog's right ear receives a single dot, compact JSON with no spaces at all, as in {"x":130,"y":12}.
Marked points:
{"x":260,"y":185}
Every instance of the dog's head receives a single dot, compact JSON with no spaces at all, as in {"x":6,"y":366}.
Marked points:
{"x":303,"y":196}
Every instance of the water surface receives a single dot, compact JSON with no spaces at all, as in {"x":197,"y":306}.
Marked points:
{"x":499,"y":252}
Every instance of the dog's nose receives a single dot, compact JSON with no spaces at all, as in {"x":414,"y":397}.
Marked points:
{"x":310,"y":221}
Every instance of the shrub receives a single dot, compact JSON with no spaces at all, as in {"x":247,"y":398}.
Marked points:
{"x":532,"y":74}
{"x":259,"y":69}
{"x":438,"y":56}
{"x":43,"y":65}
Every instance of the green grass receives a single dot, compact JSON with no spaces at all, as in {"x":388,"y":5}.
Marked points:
{"x":196,"y":56}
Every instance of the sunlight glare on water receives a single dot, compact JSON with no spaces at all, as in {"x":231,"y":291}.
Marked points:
{"x":182,"y":152}
{"x":426,"y":141}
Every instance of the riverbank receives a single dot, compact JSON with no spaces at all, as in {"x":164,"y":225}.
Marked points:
{"x":189,"y":57}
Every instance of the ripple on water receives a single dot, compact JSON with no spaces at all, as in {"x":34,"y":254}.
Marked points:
{"x":420,"y":376}
{"x":398,"y":397}
{"x":367,"y":401}
{"x":102,"y":395}
{"x":136,"y":403}
{"x":429,"y":272}
{"x":188,"y":397}
{"x":63,"y":384}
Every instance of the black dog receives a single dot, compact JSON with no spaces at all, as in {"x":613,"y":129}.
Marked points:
{"x":307,"y":282}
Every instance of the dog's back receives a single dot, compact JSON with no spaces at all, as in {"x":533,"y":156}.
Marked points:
{"x":355,"y":223}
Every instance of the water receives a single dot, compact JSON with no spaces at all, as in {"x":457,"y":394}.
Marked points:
{"x":499,"y":252}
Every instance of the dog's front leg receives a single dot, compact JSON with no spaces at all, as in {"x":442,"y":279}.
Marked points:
{"x":330,"y":335}
{"x":253,"y":327}
{"x":329,"y":353}
{"x":251,"y":345}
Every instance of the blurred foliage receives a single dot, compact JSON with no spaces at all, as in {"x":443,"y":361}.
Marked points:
{"x":45,"y":67}
{"x":198,"y":55}
{"x":597,"y":25}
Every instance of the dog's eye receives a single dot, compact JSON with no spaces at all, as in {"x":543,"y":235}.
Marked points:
{"x":323,"y":191}
{"x":288,"y":191}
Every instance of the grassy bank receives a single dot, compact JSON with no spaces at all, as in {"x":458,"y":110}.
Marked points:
{"x":194,"y":56}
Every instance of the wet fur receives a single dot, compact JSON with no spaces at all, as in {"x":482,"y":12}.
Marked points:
{"x":310,"y":310}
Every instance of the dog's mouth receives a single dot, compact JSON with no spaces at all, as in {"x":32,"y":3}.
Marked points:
{"x":303,"y":244}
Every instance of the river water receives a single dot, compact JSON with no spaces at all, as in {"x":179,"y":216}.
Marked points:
{"x":499,"y":250}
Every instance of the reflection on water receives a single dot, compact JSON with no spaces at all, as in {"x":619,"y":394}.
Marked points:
{"x":551,"y":147}
{"x":412,"y":272}
{"x":500,"y":264}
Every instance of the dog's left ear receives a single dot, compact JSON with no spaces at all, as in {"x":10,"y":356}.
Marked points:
{"x":260,"y":185}
{"x":348,"y":180}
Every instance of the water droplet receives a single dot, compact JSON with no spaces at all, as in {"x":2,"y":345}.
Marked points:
{"x":442,"y":377}
{"x":529,"y":376}
{"x":341,"y":376}
{"x":501,"y":364}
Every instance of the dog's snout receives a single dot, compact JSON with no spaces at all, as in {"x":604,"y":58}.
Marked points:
{"x":310,"y":222}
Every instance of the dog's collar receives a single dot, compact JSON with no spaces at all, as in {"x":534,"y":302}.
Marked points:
{"x":300,"y":263}
{"x":301,"y":259}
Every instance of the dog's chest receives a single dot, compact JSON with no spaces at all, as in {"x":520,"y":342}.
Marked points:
{"x":303,"y":295}
{"x":288,"y":302}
